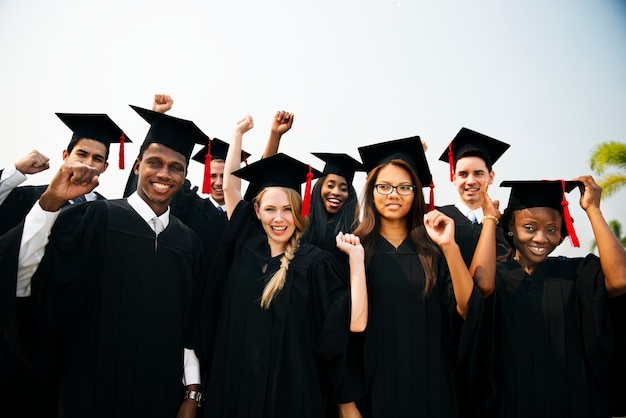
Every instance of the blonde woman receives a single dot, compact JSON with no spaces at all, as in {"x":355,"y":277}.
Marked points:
{"x":276,"y":313}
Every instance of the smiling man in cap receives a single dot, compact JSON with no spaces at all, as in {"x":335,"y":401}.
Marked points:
{"x":112,"y":288}
{"x":92,"y":135}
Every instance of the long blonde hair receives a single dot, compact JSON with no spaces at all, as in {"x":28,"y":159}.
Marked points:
{"x":277,"y":281}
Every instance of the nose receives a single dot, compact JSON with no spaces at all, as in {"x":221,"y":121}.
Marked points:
{"x":541,"y":236}
{"x":163,"y":172}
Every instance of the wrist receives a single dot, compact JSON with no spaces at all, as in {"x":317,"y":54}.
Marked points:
{"x":492,"y":218}
{"x":194,"y":395}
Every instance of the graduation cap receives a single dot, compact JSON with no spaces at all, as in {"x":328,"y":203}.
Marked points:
{"x":178,"y":134}
{"x":279,"y":170}
{"x":544,"y":193}
{"x":216,"y":149}
{"x":483,"y":146}
{"x":409,"y":150}
{"x":96,"y":126}
{"x":340,"y":164}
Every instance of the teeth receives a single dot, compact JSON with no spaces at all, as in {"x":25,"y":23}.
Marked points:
{"x":279,"y":228}
{"x":161,"y":186}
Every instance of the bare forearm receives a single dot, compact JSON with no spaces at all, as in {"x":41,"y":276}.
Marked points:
{"x":358,"y":294}
{"x":462,"y":281}
{"x":232,"y":183}
{"x":483,"y":266}
{"x":273,"y":142}
{"x":612,"y":253}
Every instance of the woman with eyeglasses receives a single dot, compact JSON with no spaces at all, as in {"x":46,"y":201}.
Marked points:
{"x":419,"y":288}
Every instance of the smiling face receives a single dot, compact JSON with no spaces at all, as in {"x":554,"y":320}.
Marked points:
{"x":536,"y":233}
{"x":90,"y":152}
{"x":161,"y":172}
{"x":393,"y":206}
{"x":275,"y":212}
{"x":217,"y":181}
{"x":334,"y":192}
{"x":468,"y":175}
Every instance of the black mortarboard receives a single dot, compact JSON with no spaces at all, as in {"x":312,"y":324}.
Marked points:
{"x":466,"y":140}
{"x":219,"y":149}
{"x":340,"y":164}
{"x":543,"y":193}
{"x":216,"y":149}
{"x":178,"y":134}
{"x":409,"y":150}
{"x":279,"y":170}
{"x":96,"y":126}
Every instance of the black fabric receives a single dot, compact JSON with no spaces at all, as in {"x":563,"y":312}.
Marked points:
{"x":466,"y":234}
{"x":409,"y":353}
{"x":617,"y":310}
{"x":203,"y":217}
{"x":353,"y":385}
{"x":552,"y":340}
{"x":270,"y":363}
{"x":15,"y":376}
{"x":115,"y":310}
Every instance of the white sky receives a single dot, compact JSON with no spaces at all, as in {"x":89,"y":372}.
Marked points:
{"x":548,"y":77}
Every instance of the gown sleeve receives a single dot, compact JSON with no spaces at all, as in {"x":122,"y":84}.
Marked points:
{"x":595,"y":319}
{"x":330,"y":310}
{"x":36,"y":324}
{"x":206,"y":302}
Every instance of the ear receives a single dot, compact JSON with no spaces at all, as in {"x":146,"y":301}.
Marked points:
{"x":106,"y":165}
{"x":256,"y":210}
{"x":136,"y":166}
{"x":65,"y":154}
{"x":491,"y":177}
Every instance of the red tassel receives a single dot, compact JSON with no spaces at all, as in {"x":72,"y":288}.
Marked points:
{"x":568,"y":219}
{"x":243,"y":156}
{"x":431,"y":204}
{"x":306,"y":201}
{"x":206,"y":183}
{"x":451,"y":161}
{"x":121,"y":156}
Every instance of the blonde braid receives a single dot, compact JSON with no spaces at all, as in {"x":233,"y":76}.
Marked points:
{"x":277,"y":281}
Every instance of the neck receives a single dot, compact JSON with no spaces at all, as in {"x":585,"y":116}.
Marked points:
{"x":276,"y":248}
{"x":528,"y":268}
{"x":394,"y":231}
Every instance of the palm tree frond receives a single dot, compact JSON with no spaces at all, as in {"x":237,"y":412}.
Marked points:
{"x":611,"y":183}
{"x":608,"y":154}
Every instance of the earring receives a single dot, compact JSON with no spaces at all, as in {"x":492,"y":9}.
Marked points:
{"x":509,"y":233}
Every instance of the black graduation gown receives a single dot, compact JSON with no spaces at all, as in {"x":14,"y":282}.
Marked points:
{"x":553,"y":340}
{"x":18,"y":203}
{"x":14,"y":374}
{"x":467,"y":234}
{"x":353,"y":385}
{"x":617,"y":311}
{"x":271,"y":363}
{"x":202,"y":217}
{"x":410,"y":350}
{"x":111,"y":304}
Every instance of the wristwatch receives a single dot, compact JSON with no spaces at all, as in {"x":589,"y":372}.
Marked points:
{"x":195,"y":395}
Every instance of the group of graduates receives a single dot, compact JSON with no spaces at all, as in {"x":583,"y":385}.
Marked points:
{"x":274,"y":302}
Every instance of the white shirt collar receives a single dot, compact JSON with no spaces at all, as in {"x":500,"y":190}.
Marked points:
{"x":145,"y":211}
{"x":462,"y":207}
{"x":217,"y":205}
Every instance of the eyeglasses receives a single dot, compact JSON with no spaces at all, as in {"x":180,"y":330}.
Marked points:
{"x":402,"y":189}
